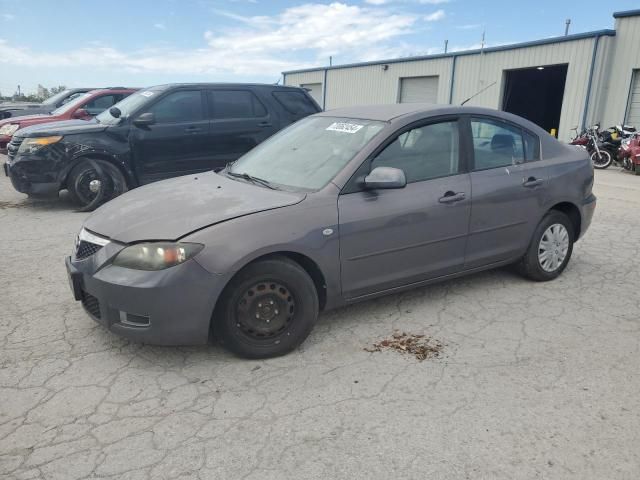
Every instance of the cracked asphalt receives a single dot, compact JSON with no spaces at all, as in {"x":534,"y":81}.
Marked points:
{"x":536,"y":380}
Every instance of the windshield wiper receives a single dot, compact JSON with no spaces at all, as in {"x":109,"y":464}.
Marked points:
{"x":252,"y":179}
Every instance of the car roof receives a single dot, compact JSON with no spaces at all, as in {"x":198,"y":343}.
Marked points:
{"x":167,"y":86}
{"x":99,"y":91}
{"x":396,"y":112}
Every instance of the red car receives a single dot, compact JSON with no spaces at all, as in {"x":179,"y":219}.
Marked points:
{"x":83,"y":107}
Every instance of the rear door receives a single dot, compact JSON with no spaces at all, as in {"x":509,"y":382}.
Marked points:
{"x":239,"y":122}
{"x":509,"y":185}
{"x":391,"y":238}
{"x":177,"y":143}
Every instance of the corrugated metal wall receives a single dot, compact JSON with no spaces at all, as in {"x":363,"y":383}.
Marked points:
{"x":616,"y":57}
{"x":474,"y":72}
{"x":625,"y":58}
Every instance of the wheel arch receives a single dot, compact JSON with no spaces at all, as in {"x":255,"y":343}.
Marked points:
{"x":573,"y":212}
{"x":307,"y":263}
{"x":97,"y":156}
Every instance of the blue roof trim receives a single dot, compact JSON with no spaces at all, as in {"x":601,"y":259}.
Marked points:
{"x":627,"y":13}
{"x":501,"y":48}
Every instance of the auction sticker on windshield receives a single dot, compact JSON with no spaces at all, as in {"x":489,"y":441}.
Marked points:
{"x":344,"y":127}
{"x":146,"y":94}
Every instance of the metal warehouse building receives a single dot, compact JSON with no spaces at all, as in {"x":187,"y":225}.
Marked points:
{"x":559,"y":83}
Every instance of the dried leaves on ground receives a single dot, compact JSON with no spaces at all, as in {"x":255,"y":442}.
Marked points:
{"x":421,"y":346}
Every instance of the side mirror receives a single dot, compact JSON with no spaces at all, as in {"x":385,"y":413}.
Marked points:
{"x":385,"y":178}
{"x":145,"y":119}
{"x":81,"y":114}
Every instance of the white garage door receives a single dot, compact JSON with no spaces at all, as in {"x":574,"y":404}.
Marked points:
{"x":419,"y":89}
{"x":315,"y":90}
{"x":633,"y":112}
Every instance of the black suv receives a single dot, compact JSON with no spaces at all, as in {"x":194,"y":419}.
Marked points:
{"x":155,"y":133}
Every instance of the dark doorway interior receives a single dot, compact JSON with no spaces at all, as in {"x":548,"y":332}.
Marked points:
{"x":536,"y":94}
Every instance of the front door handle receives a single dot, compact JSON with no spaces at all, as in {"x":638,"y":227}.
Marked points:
{"x":265,"y":124}
{"x":192,"y":129}
{"x":452,"y":197}
{"x":532,"y":182}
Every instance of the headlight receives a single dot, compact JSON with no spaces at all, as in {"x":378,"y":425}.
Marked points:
{"x":32,"y":145}
{"x":9,"y":129}
{"x":156,"y":255}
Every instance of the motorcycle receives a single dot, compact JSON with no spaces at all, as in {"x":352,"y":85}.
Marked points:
{"x":590,"y":139}
{"x":629,"y":154}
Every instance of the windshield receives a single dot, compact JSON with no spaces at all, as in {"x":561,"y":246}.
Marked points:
{"x":56,"y":98}
{"x":309,"y":153}
{"x":71,"y":105}
{"x":127,"y":106}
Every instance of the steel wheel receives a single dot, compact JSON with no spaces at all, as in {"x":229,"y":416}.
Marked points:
{"x":265,"y":310}
{"x":553,"y":247}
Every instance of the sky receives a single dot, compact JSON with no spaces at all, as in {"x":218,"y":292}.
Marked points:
{"x":138,"y":43}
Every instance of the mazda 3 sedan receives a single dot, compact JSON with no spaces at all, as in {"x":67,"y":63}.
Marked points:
{"x":342,"y":206}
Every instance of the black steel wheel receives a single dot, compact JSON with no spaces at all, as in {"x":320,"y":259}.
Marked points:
{"x":267,"y":310}
{"x":94,"y":182}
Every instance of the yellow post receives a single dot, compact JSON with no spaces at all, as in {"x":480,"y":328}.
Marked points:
{"x":554,"y":132}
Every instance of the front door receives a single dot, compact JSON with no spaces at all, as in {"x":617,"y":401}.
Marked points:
{"x":391,"y":238}
{"x":509,"y":188}
{"x":240,"y":121}
{"x":176,"y":144}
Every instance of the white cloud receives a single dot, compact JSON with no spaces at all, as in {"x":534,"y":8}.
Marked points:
{"x":159,"y":26}
{"x":435,"y":16}
{"x":8,"y":17}
{"x":470,"y":26}
{"x":260,"y":45}
{"x":433,"y":2}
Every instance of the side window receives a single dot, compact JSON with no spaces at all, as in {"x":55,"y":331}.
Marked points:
{"x":423,"y":153}
{"x":235,"y":104}
{"x":180,"y":106}
{"x":296,"y":103}
{"x":496,"y":144}
{"x":100,"y":104}
{"x":69,"y":98}
{"x":531,"y":146}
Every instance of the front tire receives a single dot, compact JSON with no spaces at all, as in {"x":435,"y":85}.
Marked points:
{"x":550,"y":249}
{"x":267,"y":310}
{"x":601,"y":162}
{"x":94,"y":182}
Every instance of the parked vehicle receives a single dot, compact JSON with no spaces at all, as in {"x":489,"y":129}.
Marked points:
{"x":85,"y":106}
{"x":157,"y":133}
{"x":589,"y":139}
{"x":629,"y":154}
{"x":15,"y":109}
{"x":342,"y":206}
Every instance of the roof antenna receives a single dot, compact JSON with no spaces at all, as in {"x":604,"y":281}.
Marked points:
{"x":478,"y":93}
{"x":566,"y":26}
{"x":446,"y":45}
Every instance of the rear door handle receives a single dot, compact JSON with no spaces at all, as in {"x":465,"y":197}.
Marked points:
{"x":532,"y":182}
{"x":192,"y":129}
{"x":452,"y":197}
{"x":265,"y":124}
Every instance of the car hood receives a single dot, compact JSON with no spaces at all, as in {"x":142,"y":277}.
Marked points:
{"x":63,"y":127}
{"x":171,"y":209}
{"x":23,"y":112}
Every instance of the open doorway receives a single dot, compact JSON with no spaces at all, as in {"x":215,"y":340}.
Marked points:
{"x":536,"y":94}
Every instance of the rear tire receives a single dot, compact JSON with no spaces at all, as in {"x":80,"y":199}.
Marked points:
{"x":550,"y":249}
{"x":94,"y":182}
{"x":602,"y":162}
{"x":267,"y":310}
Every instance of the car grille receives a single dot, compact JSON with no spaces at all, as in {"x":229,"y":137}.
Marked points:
{"x":86,"y":249}
{"x":91,"y":304}
{"x":13,"y":146}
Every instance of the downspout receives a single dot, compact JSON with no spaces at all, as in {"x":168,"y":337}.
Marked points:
{"x":591,"y":70}
{"x":453,"y":77}
{"x":324,"y":90}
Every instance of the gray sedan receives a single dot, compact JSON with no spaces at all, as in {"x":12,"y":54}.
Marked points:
{"x":342,"y":206}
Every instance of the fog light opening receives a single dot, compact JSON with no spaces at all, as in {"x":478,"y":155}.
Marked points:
{"x":134,"y":320}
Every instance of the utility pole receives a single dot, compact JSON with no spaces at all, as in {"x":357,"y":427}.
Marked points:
{"x":566,"y":26}
{"x":330,"y":60}
{"x":446,"y":44}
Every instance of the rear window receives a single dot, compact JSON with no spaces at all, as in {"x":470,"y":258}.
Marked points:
{"x":296,"y":103}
